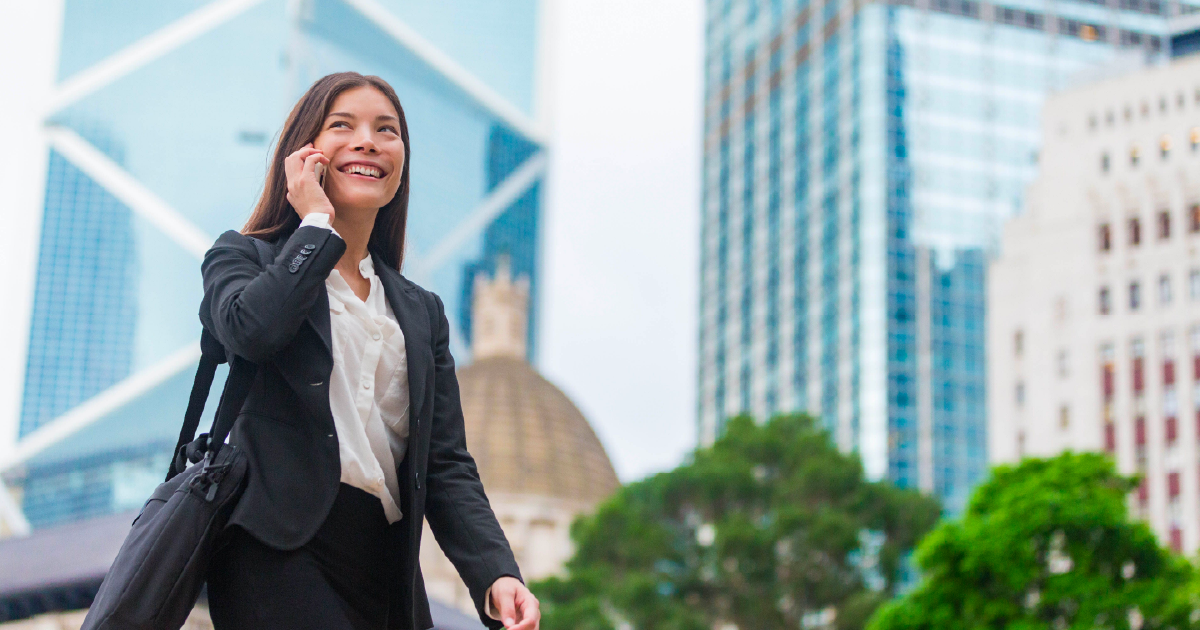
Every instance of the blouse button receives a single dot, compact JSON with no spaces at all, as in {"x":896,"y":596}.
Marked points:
{"x":375,"y":336}
{"x":366,"y":386}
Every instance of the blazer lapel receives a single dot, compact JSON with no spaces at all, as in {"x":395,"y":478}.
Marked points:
{"x":414,"y":323}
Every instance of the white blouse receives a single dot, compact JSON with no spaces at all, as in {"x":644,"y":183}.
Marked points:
{"x":368,"y":389}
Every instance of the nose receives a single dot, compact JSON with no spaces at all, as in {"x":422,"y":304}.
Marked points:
{"x":363,"y":142}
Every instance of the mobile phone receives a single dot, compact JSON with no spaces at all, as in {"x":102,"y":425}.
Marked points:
{"x":319,"y":169}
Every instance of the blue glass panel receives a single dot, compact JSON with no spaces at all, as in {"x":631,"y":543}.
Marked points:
{"x":83,"y":319}
{"x":85,"y":44}
{"x":957,"y":376}
{"x":495,"y":41}
{"x":901,"y":276}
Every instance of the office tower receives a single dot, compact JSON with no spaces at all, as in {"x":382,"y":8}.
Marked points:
{"x":1094,"y":325}
{"x":160,"y":127}
{"x":859,"y":158}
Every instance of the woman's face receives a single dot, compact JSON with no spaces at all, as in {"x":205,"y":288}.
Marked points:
{"x":361,"y":138}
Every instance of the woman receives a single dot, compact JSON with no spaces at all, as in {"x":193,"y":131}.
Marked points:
{"x":353,"y":427}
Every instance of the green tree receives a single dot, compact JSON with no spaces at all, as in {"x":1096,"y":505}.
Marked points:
{"x":1046,"y":544}
{"x":768,"y":524}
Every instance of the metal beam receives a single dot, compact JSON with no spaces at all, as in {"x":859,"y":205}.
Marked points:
{"x":85,"y":414}
{"x":129,"y":190}
{"x":463,"y":79}
{"x":498,"y":201}
{"x":145,"y":50}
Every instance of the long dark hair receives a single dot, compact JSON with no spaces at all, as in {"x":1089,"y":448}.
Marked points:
{"x":274,"y":215}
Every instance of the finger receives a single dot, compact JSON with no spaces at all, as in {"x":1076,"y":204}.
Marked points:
{"x":304,"y":152}
{"x":508,"y":613}
{"x":294,"y":163}
{"x":310,"y":162}
{"x":530,"y":612}
{"x":527,"y":623}
{"x":299,"y":155}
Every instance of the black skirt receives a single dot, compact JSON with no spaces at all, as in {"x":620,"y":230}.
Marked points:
{"x":337,"y":581}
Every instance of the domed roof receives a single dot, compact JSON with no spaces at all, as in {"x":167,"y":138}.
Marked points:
{"x":527,"y":437}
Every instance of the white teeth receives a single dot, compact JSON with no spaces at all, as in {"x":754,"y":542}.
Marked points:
{"x":363,"y":170}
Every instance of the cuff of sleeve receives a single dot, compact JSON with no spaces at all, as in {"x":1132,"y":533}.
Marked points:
{"x":487,"y":604}
{"x":319,"y":219}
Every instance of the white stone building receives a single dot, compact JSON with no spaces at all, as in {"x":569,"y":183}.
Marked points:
{"x":1094,"y":300}
{"x":539,"y":459}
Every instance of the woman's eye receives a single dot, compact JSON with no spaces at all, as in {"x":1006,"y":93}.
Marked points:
{"x":392,"y":128}
{"x":338,"y":123}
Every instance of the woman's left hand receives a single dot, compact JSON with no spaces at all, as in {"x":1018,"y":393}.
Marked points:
{"x":518,"y":608}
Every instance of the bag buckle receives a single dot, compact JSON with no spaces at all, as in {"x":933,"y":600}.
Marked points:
{"x":208,"y":480}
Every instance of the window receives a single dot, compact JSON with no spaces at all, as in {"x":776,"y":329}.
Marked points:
{"x":1133,"y":156}
{"x":1019,"y":343}
{"x":1105,"y":237}
{"x":1064,"y":417}
{"x":1104,"y":163}
{"x":1105,"y":301}
{"x":1135,"y":295}
{"x":1164,"y":289}
{"x":1164,"y":146}
{"x":1064,"y":367}
{"x":1135,"y":231}
{"x":1194,"y":218}
{"x":1164,"y":224}
{"x":1019,"y":393}
{"x":1138,"y":350}
{"x":1194,"y":136}
{"x":1194,"y":284}
{"x":1107,"y":381}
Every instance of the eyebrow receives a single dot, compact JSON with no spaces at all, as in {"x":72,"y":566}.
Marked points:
{"x":379,"y":117}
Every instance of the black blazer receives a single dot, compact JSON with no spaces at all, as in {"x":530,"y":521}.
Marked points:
{"x":278,"y":318}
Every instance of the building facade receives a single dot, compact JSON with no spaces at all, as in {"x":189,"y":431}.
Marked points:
{"x":859,"y":158}
{"x":159,"y":129}
{"x":1094,"y":326}
{"x":537,"y":455}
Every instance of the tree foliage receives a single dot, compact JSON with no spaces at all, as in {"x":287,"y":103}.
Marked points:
{"x":1046,"y":544}
{"x":769,"y":523}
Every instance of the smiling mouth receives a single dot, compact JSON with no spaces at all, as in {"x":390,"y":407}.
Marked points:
{"x":363,"y":172}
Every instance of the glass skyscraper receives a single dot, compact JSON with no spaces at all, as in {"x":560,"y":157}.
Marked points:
{"x":160,"y":132}
{"x":859,"y":160}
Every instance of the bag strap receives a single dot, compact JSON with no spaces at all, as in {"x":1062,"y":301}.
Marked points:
{"x":233,"y":396}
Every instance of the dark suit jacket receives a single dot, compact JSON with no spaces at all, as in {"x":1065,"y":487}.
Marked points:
{"x":278,"y":318}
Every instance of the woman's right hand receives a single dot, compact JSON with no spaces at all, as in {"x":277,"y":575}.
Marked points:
{"x":304,"y":189}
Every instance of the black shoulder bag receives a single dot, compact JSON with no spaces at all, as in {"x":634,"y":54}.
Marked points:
{"x":157,"y":576}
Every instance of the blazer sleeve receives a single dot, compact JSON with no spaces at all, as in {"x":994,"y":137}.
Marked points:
{"x":255,"y":311}
{"x":456,"y":507}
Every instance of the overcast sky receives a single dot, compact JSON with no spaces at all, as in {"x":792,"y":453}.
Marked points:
{"x":621,"y":256}
{"x":619,"y":309}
